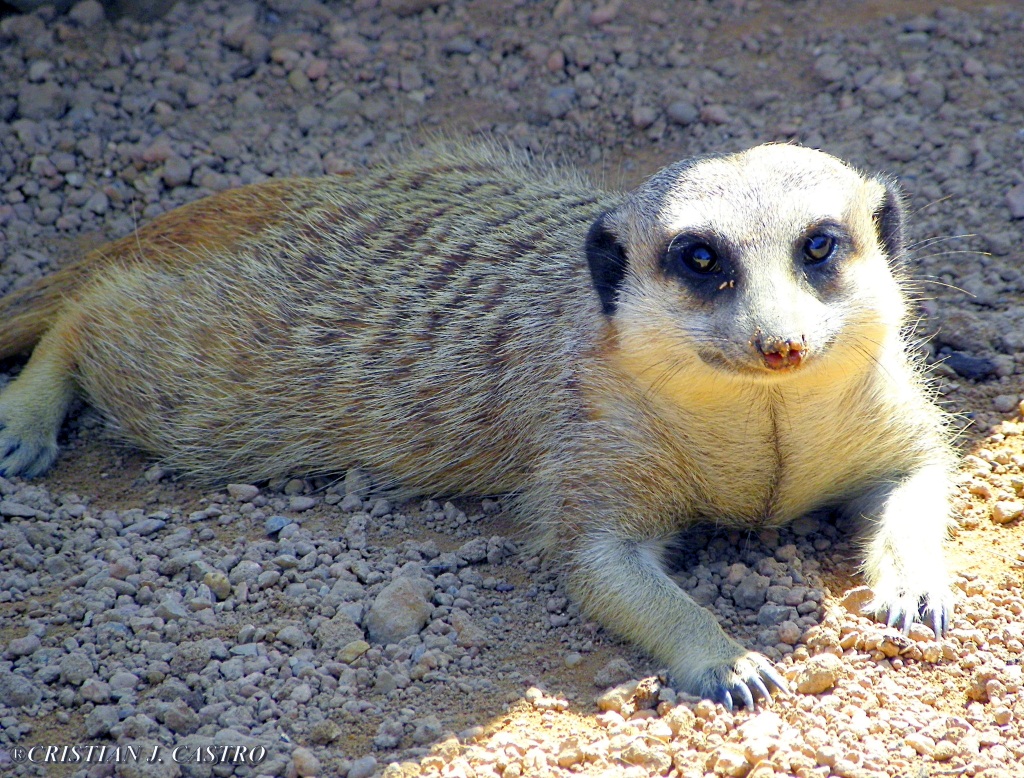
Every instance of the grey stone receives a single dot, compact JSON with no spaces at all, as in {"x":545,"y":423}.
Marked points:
{"x":426,"y":729}
{"x":180,"y":718}
{"x":17,"y":510}
{"x":1015,"y":201}
{"x":966,"y":331}
{"x":42,"y":101}
{"x":232,"y":669}
{"x":170,"y":610}
{"x":351,"y":503}
{"x":293,"y":636}
{"x":705,"y":593}
{"x":144,"y":527}
{"x":683,"y":112}
{"x":100,"y":720}
{"x":337,"y":632}
{"x":246,"y":571}
{"x":301,"y":502}
{"x":615,"y":672}
{"x":831,"y":68}
{"x":177,"y":171}
{"x":1005,"y":403}
{"x":17,"y":691}
{"x":305,"y":762}
{"x":98,"y":203}
{"x":409,"y":7}
{"x":345,"y":103}
{"x":301,"y":694}
{"x":243,"y":492}
{"x":364,"y":767}
{"x":122,"y":679}
{"x":559,"y":101}
{"x":771,"y":614}
{"x":931,"y":94}
{"x":191,"y":657}
{"x":75,"y":668}
{"x":198,"y":93}
{"x":473,"y":551}
{"x":400,"y":610}
{"x":23,"y":646}
{"x":644,"y":116}
{"x":107,"y":582}
{"x":714,"y":114}
{"x":751,"y":591}
{"x":94,"y":690}
{"x":87,"y":13}
{"x":971,"y":367}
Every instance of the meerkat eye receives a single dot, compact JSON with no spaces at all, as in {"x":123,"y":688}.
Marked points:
{"x":818,"y":248}
{"x":696,"y":256}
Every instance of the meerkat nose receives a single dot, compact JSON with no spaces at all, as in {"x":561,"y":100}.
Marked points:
{"x":779,"y":353}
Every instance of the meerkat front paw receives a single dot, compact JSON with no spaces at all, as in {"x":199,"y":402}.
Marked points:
{"x":27,"y":448}
{"x":738,"y":680}
{"x":899,"y":603}
{"x":904,"y":563}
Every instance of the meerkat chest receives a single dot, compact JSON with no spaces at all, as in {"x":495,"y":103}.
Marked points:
{"x":764,"y":458}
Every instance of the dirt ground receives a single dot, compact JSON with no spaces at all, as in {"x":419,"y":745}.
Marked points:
{"x":501,"y":729}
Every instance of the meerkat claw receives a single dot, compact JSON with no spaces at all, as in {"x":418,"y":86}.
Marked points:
{"x":760,"y":688}
{"x":745,"y":694}
{"x":746,"y":684}
{"x":900,"y":611}
{"x":937,"y":616}
{"x":776,"y":680}
{"x":723,"y":698}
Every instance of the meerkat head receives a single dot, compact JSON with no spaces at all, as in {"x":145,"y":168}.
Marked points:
{"x":767,"y":264}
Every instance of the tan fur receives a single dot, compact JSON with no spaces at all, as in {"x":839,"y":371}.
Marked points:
{"x":435,"y":321}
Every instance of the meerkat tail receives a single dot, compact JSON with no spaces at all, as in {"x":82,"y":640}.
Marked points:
{"x":27,"y":313}
{"x":219,"y":223}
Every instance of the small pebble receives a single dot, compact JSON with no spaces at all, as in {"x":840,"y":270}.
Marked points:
{"x":243,"y":492}
{"x":275,"y":524}
{"x":1005,"y":511}
{"x":819,"y":674}
{"x":306,"y":763}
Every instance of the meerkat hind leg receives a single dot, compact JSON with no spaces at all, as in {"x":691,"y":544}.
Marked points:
{"x":622,"y":583}
{"x":33,"y":406}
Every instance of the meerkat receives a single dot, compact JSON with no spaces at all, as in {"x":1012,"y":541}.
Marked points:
{"x":724,"y":344}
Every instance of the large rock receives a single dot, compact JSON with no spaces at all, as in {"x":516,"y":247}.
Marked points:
{"x":400,"y":610}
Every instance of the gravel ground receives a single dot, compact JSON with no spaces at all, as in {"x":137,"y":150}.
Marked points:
{"x":319,"y":629}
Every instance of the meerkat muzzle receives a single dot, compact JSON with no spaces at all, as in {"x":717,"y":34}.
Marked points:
{"x":779,"y":354}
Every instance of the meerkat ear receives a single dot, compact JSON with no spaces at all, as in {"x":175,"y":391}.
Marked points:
{"x":889,"y":218}
{"x":607,"y":259}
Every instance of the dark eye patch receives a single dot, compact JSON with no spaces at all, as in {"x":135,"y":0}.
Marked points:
{"x":687,"y":253}
{"x":703,"y":261}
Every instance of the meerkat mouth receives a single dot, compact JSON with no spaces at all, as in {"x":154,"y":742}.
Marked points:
{"x":753,"y":363}
{"x":779,"y":353}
